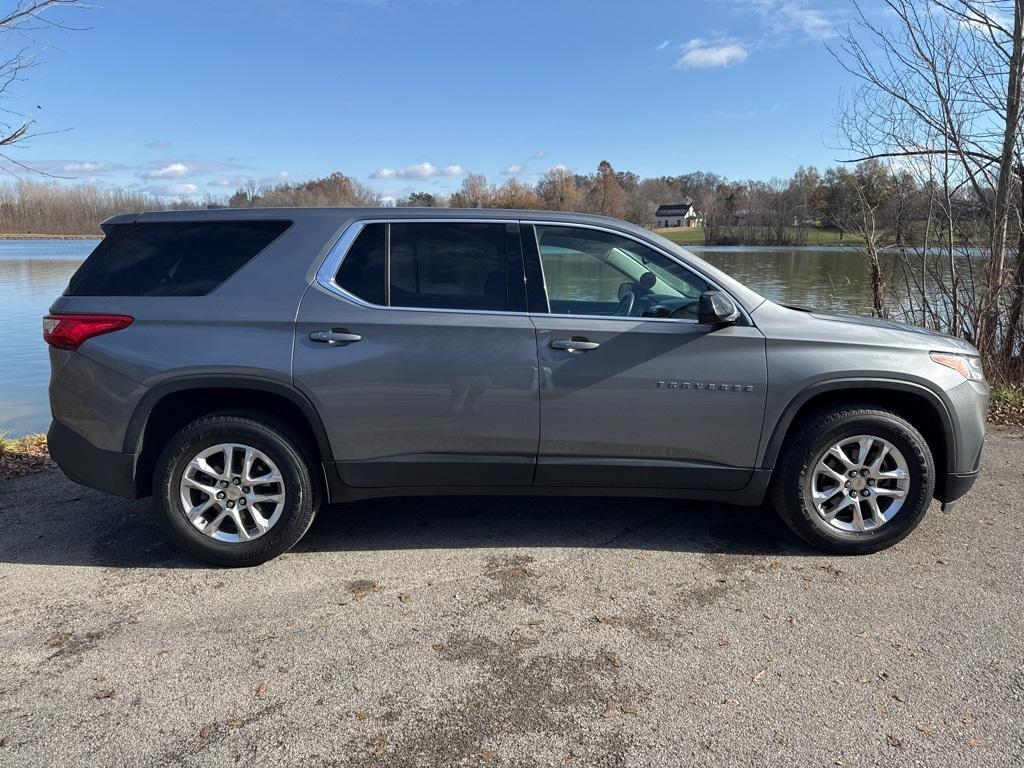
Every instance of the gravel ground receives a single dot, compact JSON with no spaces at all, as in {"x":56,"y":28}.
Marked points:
{"x":500,"y":632}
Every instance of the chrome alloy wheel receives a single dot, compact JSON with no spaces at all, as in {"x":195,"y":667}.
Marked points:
{"x":859,"y":484}
{"x":232,"y":493}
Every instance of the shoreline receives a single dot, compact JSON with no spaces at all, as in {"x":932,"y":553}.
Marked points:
{"x":34,"y":236}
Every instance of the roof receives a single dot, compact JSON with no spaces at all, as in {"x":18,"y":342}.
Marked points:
{"x":341,"y":214}
{"x":678,"y":209}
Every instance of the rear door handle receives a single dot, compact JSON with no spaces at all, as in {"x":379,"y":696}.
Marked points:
{"x":575,"y":344}
{"x":340,"y":336}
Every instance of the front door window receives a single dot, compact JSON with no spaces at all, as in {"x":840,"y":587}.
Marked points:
{"x":597,"y":273}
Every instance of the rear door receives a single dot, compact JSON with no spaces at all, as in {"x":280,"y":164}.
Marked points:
{"x":635,"y":392}
{"x":415,"y":345}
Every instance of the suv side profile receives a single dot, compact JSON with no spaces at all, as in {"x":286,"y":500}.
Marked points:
{"x":246,"y":366}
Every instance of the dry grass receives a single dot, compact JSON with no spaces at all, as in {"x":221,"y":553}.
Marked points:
{"x":1007,"y":406}
{"x":23,"y":456}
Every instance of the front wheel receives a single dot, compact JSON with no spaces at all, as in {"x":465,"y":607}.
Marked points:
{"x":234,"y":490}
{"x":855,"y":480}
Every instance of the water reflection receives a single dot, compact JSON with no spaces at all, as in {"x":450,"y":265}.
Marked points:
{"x":33,"y":274}
{"x":825,"y":278}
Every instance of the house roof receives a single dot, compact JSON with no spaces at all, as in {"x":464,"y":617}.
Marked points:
{"x":679,"y":209}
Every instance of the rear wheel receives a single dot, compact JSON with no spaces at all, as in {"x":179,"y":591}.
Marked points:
{"x":855,"y":480}
{"x":234,"y":490}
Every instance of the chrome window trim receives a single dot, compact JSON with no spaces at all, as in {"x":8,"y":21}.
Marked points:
{"x":336,"y":255}
{"x":666,"y":254}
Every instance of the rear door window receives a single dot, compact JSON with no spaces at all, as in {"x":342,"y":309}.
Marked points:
{"x":437,"y":265}
{"x":450,"y":266}
{"x":171,"y":258}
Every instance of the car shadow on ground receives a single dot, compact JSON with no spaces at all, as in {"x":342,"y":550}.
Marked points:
{"x":92,"y":529}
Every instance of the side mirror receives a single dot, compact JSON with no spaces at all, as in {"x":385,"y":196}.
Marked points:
{"x":715,"y":308}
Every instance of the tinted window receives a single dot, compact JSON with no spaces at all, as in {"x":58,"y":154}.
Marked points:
{"x":453,"y":266}
{"x":171,"y":259}
{"x":362,"y":270}
{"x":590,"y":272}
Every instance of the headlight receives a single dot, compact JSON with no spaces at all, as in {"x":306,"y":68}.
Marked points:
{"x":967,"y":366}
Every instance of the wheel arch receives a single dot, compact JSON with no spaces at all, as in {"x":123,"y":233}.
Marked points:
{"x":170,"y":405}
{"x":920,"y":405}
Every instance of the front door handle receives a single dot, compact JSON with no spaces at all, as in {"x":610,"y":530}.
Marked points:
{"x":339,"y":336}
{"x":575,"y":344}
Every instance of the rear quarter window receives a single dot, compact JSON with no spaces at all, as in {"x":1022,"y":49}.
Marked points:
{"x":171,"y":258}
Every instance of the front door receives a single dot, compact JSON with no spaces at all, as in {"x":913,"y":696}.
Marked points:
{"x":635,"y":392}
{"x":420,"y":357}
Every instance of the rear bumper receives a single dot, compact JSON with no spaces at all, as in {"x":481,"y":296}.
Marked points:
{"x":85,"y":464}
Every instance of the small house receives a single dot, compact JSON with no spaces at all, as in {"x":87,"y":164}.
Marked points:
{"x":681,"y":214}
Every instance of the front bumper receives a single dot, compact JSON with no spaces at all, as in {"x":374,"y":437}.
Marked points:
{"x":85,"y":464}
{"x":957,"y":485}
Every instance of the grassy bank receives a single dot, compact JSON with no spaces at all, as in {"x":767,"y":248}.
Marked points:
{"x":813,"y":235}
{"x":1007,"y":406}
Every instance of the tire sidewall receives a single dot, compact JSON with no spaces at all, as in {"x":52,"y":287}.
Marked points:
{"x":295,"y":518}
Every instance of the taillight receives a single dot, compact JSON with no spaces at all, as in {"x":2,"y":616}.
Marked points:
{"x":71,"y":331}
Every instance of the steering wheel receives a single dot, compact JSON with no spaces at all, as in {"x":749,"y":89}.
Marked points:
{"x":626,"y":302}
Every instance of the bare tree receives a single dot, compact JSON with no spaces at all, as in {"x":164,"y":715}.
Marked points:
{"x":475,"y":192}
{"x":558,"y":190}
{"x":943,"y":81}
{"x":606,"y":196}
{"x":21,"y":25}
{"x":336,"y":189}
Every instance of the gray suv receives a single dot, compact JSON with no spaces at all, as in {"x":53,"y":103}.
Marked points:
{"x":246,"y":366}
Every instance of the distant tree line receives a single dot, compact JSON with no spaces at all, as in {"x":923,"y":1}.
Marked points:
{"x":751,"y":212}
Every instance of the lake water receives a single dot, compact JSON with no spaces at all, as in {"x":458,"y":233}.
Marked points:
{"x":33,"y":273}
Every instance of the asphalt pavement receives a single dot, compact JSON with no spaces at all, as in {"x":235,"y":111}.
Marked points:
{"x":513,"y":632}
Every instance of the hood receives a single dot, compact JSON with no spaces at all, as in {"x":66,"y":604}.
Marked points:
{"x":910,"y":334}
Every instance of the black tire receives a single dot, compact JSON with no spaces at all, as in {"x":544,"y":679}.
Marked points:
{"x":827,"y":428}
{"x":293,"y":460}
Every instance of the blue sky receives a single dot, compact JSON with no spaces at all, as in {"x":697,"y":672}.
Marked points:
{"x":188,"y":97}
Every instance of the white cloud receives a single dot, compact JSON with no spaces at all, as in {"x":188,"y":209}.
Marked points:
{"x":230,"y":182}
{"x":560,"y":168}
{"x":661,"y":46}
{"x":749,"y":114}
{"x":513,"y":170}
{"x":984,"y":21}
{"x":74,"y":167}
{"x":703,"y":54}
{"x":782,"y":17}
{"x":418,"y":171}
{"x":170,"y":171}
{"x":158,"y":144}
{"x":90,"y":167}
{"x":172,"y":190}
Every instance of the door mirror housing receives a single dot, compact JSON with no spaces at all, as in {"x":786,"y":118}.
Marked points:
{"x":716,"y":308}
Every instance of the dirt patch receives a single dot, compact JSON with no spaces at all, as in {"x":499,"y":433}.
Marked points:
{"x":514,"y":580}
{"x":556,"y":701}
